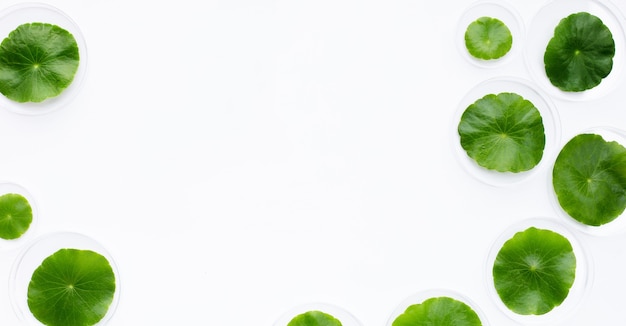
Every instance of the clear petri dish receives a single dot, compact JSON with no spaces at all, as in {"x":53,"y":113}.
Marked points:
{"x":494,"y":9}
{"x":616,"y":226}
{"x":33,"y":255}
{"x":582,"y":281}
{"x":346,"y":318}
{"x":11,"y":18}
{"x":541,"y":30}
{"x":549,"y":114}
{"x":14,"y":188}
{"x":421,"y":296}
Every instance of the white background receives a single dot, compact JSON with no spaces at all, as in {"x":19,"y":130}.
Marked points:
{"x":238,"y":158}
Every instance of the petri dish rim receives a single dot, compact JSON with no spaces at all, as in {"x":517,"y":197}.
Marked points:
{"x":541,"y":30}
{"x":497,"y":9}
{"x":345,"y":317}
{"x":7,"y":187}
{"x":425,"y":294}
{"x":613,"y":228}
{"x":543,"y":103}
{"x":15,"y":15}
{"x":582,"y":282}
{"x":34,"y":253}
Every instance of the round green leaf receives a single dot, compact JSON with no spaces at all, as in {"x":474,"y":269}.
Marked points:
{"x":37,"y":61}
{"x":439,"y":311}
{"x":503,"y":132}
{"x":314,"y":318}
{"x":16,"y":214}
{"x":589,"y":179}
{"x":488,"y":38}
{"x":534,"y":271}
{"x":580,"y":54}
{"x":71,"y":287}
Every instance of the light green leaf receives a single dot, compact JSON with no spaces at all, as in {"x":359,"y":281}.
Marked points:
{"x":589,"y":179}
{"x":503,"y":132}
{"x":314,"y":318}
{"x":488,"y":38}
{"x":534,"y":271}
{"x":71,"y":287}
{"x":439,"y":311}
{"x":37,"y":61}
{"x":580,"y":54}
{"x":16,"y":214}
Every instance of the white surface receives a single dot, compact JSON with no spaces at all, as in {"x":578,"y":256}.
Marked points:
{"x":239,"y":158}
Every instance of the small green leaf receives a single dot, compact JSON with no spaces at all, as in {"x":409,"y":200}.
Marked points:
{"x":580,"y":54}
{"x":71,"y":287}
{"x":314,"y":318}
{"x":589,"y":179}
{"x":37,"y":61}
{"x":16,"y":214}
{"x":439,"y":311}
{"x":503,"y":132}
{"x":488,"y":38}
{"x":534,"y":271}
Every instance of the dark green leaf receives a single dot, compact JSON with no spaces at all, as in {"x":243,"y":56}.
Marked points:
{"x":589,"y":179}
{"x":534,"y":271}
{"x":71,"y":288}
{"x":580,"y":54}
{"x":488,"y":38}
{"x":314,"y":318}
{"x":16,"y":214}
{"x":503,"y":132}
{"x":439,"y":311}
{"x":37,"y":61}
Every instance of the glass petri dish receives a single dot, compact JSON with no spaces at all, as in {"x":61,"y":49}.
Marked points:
{"x":524,"y":88}
{"x":339,"y":313}
{"x":582,"y":281}
{"x":615,"y":227}
{"x":421,"y":296}
{"x":14,"y":188}
{"x":11,"y":18}
{"x":495,"y":9}
{"x":32,"y":256}
{"x":541,"y":30}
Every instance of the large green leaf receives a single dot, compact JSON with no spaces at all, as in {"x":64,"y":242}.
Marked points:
{"x":314,"y":318}
{"x":71,"y":287}
{"x":488,"y":38}
{"x":439,"y":311}
{"x":580,"y":54}
{"x":503,"y":132}
{"x":589,"y":179}
{"x":37,"y":61}
{"x":16,"y":214}
{"x":534,"y":271}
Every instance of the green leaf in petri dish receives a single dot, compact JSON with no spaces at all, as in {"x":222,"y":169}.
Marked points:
{"x":488,"y":38}
{"x":580,"y":54}
{"x":438,"y":311}
{"x":71,"y":287}
{"x":534,"y":271}
{"x":589,"y":179}
{"x":314,"y":318}
{"x":16,"y":215}
{"x":37,"y":61}
{"x":503,"y":132}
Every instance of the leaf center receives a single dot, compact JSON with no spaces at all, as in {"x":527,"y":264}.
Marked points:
{"x":533,"y":263}
{"x":70,"y":289}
